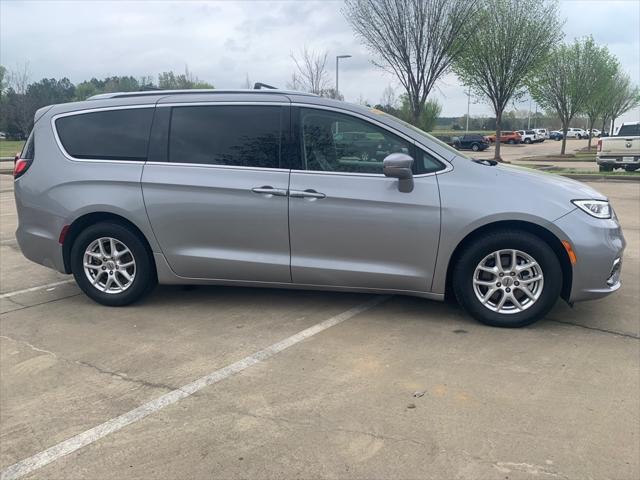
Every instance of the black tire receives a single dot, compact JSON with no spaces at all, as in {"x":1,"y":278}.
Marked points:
{"x":579,"y":137}
{"x":475,"y":147}
{"x":145,"y":274}
{"x":527,"y":141}
{"x":527,"y":243}
{"x":605,"y":168}
{"x":511,"y":142}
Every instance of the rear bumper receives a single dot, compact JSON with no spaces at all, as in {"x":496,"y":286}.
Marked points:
{"x":599,"y":246}
{"x":612,"y":160}
{"x":39,"y":247}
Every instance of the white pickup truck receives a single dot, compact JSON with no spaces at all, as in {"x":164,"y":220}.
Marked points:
{"x":622,"y":150}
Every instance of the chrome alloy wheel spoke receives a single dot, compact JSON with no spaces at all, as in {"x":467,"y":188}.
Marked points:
{"x":109,"y":265}
{"x":508,"y":281}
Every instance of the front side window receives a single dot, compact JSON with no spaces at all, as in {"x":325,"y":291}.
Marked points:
{"x":335,"y":142}
{"x":110,"y":135}
{"x":237,"y":135}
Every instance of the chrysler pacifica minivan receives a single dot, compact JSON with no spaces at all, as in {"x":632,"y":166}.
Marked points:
{"x":290,"y":190}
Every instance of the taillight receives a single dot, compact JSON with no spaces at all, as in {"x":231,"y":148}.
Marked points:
{"x":600,"y":145}
{"x":20,"y":166}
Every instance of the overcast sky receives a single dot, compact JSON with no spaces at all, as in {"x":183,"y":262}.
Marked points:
{"x":222,"y":42}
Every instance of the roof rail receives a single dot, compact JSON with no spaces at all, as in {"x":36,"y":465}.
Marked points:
{"x":260,"y":85}
{"x":272,"y":90}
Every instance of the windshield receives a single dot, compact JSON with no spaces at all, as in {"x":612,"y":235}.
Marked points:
{"x":422,"y":133}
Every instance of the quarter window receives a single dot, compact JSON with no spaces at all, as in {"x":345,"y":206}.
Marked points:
{"x":109,"y":135}
{"x":239,"y":135}
{"x":334,"y":142}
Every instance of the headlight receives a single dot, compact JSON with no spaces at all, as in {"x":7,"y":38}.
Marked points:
{"x":595,"y":208}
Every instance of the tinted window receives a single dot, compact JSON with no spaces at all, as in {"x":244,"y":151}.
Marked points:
{"x":629,"y":131}
{"x":240,"y":135}
{"x":29,"y":149}
{"x":110,"y":135}
{"x":336,"y":142}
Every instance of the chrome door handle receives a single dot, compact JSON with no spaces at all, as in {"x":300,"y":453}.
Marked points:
{"x":269,"y":190}
{"x":309,"y":193}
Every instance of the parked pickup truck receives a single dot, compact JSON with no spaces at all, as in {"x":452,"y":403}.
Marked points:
{"x":621,"y":150}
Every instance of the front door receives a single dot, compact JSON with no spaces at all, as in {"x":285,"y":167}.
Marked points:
{"x":218,"y":205}
{"x":350,"y":226}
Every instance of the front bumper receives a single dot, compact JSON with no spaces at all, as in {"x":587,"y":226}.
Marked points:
{"x":598,"y":245}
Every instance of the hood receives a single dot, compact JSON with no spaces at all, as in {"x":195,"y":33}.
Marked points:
{"x":574,"y":190}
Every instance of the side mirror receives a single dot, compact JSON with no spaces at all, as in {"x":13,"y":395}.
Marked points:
{"x":398,"y":165}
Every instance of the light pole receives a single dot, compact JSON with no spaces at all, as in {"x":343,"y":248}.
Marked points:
{"x":338,"y":57}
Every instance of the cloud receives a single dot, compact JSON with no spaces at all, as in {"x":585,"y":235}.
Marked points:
{"x":221,"y":42}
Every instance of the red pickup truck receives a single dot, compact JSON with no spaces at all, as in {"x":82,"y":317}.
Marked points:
{"x":506,"y":137}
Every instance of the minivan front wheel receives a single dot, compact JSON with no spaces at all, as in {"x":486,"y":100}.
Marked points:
{"x":508,"y":279}
{"x":111,"y":264}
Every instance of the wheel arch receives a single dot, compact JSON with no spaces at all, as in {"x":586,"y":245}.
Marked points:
{"x":541,"y":232}
{"x":86,"y":220}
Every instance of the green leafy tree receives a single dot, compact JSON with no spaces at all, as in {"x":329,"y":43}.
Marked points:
{"x":621,"y":96}
{"x":414,"y":40}
{"x":604,"y":68}
{"x":509,"y":43}
{"x":561,"y":85}
{"x":183,"y":81}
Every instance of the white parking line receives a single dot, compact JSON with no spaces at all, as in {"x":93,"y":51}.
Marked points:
{"x":88,"y":437}
{"x":35,"y":289}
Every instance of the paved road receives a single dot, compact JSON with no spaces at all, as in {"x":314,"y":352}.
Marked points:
{"x":515,"y":153}
{"x":560,"y":399}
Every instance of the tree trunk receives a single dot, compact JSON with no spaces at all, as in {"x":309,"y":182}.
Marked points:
{"x":496,"y":153}
{"x":591,"y":122}
{"x":565,"y":126}
{"x":613,"y":121}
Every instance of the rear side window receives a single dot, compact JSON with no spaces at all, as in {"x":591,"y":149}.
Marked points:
{"x":109,"y":135}
{"x":629,"y":130}
{"x":237,"y":135}
{"x":29,"y":149}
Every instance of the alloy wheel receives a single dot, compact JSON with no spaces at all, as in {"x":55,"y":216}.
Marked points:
{"x":109,"y":265}
{"x":508,"y":281}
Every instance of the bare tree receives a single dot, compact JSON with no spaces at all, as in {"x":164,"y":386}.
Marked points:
{"x":20,"y":108}
{"x":415,"y":40}
{"x":623,"y":96}
{"x":510,"y":42}
{"x":312,"y":70}
{"x":294,"y":83}
{"x":389,"y":98}
{"x":247,"y":82}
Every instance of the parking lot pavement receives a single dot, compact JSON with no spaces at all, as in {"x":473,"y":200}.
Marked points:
{"x":408,"y":388}
{"x":514,"y":153}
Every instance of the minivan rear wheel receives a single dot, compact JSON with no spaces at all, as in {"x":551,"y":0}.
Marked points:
{"x":508,"y":278}
{"x":111,"y":264}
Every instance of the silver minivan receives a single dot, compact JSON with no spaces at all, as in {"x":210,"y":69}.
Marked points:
{"x":290,"y":190}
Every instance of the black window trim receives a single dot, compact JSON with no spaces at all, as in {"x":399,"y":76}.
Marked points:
{"x":54,"y":127}
{"x":417,"y":146}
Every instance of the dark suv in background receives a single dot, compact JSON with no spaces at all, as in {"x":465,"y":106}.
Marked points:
{"x":477,"y":143}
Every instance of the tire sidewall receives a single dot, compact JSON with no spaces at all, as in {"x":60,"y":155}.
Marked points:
{"x":525,"y":242}
{"x":145,"y":274}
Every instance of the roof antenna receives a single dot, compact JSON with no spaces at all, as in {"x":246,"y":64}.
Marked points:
{"x":260,"y":86}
